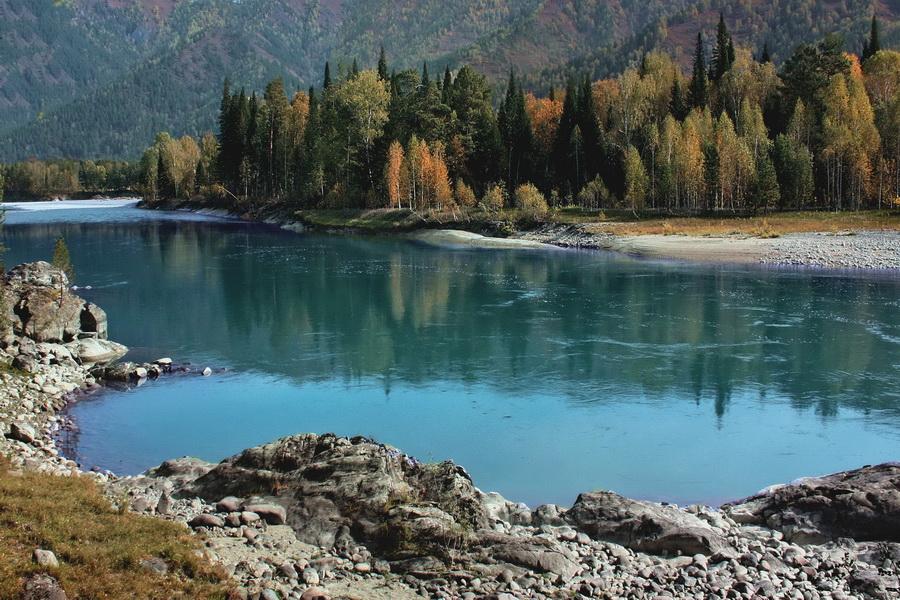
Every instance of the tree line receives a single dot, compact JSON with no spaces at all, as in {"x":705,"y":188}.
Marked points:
{"x":737,"y":134}
{"x":47,"y":178}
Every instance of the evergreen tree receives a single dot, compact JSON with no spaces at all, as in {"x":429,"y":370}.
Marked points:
{"x":515,"y":130}
{"x":561,"y":161}
{"x":326,"y":80}
{"x":382,"y":66}
{"x":873,"y":45}
{"x":590,"y":133}
{"x":426,"y":80}
{"x":354,"y":69}
{"x":678,"y":105}
{"x":699,"y":88}
{"x":62,"y":260}
{"x":766,"y":194}
{"x":723,"y":52}
{"x":765,"y":57}
{"x":447,"y":86}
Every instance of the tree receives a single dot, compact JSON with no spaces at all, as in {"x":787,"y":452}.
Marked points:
{"x":394,"y":174}
{"x":678,"y":105}
{"x":515,"y":130}
{"x":699,"y":88}
{"x":793,"y":164}
{"x":363,"y":103}
{"x":382,"y":66}
{"x":62,"y":260}
{"x":464,"y":195}
{"x":326,"y":79}
{"x":723,"y":52}
{"x":531,"y":202}
{"x":636,"y":180}
{"x":873,"y":46}
{"x":766,"y":193}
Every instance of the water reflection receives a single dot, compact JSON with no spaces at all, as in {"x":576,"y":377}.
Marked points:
{"x":593,"y":331}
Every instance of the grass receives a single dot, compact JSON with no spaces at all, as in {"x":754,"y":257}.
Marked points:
{"x":618,"y":221}
{"x":769,"y":226}
{"x":99,"y":549}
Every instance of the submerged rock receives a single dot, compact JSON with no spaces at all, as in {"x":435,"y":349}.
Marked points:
{"x":863,"y":504}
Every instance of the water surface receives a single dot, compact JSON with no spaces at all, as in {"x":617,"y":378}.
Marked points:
{"x":544,"y":373}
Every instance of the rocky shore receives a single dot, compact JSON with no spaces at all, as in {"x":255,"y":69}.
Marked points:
{"x":320,"y":516}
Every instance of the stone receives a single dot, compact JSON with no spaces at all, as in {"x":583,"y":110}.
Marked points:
{"x":269,"y":594}
{"x":93,"y":320}
{"x":310,"y":577}
{"x":155,"y":565}
{"x":288,"y":570}
{"x":45,"y":558}
{"x":163,"y":362}
{"x":318,"y":479}
{"x":206,"y":520}
{"x":643,"y":526}
{"x":42,"y":587}
{"x":315,"y":593}
{"x":140,"y":373}
{"x":272,"y":514}
{"x":23,"y":432}
{"x":207,"y":372}
{"x":248,"y":518}
{"x":164,"y":505}
{"x":229,"y":504}
{"x":863,"y":504}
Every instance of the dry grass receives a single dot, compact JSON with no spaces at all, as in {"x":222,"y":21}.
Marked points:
{"x":99,"y":549}
{"x":773,"y":225}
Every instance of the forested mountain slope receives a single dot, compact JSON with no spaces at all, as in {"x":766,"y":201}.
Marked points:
{"x":91,"y":78}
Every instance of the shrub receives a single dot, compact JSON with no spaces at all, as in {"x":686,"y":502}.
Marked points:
{"x":594,"y":194}
{"x":464,"y":195}
{"x":531,"y":202}
{"x":494,"y":198}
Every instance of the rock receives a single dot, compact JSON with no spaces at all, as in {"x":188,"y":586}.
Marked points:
{"x":319,"y":481}
{"x":93,"y":320}
{"x":548,"y":514}
{"x":643,"y":526}
{"x":863,"y":504}
{"x":248,"y":518}
{"x":315,"y":593}
{"x":163,"y":362}
{"x":536,"y":554}
{"x":42,"y":587}
{"x":22,"y":432}
{"x":164,"y":505}
{"x":310,"y":577}
{"x":45,"y":558}
{"x":288,"y":570}
{"x":229,"y":504}
{"x":155,"y":565}
{"x":42,"y":306}
{"x":207,"y":372}
{"x":273,"y":514}
{"x":23,"y":362}
{"x":140,"y":373}
{"x":206,"y":520}
{"x":269,"y":594}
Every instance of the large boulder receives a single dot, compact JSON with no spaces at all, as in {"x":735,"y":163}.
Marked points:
{"x":327,"y":483}
{"x":93,"y":351}
{"x":41,"y":306}
{"x":644,"y":526}
{"x":863,"y":504}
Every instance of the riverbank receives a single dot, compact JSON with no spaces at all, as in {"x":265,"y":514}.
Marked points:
{"x":320,"y":515}
{"x":827,"y":240}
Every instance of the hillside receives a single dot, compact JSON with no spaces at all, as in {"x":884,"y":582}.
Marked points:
{"x":74,"y":73}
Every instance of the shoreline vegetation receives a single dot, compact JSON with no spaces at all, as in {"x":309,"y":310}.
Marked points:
{"x":288,"y":520}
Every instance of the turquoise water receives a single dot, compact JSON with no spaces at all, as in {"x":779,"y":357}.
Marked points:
{"x":544,"y":373}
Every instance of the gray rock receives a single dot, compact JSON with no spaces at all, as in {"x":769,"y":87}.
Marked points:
{"x":863,"y":504}
{"x":155,"y":565}
{"x":643,"y":526}
{"x":229,"y":504}
{"x":206,"y":520}
{"x":22,"y":432}
{"x":310,"y":577}
{"x":42,"y":587}
{"x":315,"y":593}
{"x":45,"y":558}
{"x":273,"y":514}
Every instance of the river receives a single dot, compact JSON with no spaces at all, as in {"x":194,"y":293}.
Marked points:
{"x":543,"y":372}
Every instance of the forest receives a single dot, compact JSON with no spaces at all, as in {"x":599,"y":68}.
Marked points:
{"x":736,"y":134}
{"x":61,"y":178}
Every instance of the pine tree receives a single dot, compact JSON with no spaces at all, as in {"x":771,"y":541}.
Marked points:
{"x":62,"y":260}
{"x":678,"y":103}
{"x":723,"y":52}
{"x":382,"y":65}
{"x":871,"y":47}
{"x":447,"y":86}
{"x":354,"y":69}
{"x":561,"y":161}
{"x":766,"y":194}
{"x":590,"y":132}
{"x":765,"y":57}
{"x":426,"y":80}
{"x":326,"y":80}
{"x":699,"y":89}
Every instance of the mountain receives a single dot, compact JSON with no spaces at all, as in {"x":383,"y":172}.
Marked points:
{"x":98,"y":78}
